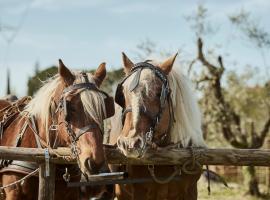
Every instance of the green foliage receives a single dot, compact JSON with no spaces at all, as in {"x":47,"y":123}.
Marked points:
{"x":199,"y":22}
{"x":250,"y":29}
{"x":35,"y":82}
{"x":250,"y":102}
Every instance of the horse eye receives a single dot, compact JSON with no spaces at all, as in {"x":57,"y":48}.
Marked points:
{"x":72,"y":108}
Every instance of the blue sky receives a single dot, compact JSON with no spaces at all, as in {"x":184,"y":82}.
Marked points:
{"x":86,"y":33}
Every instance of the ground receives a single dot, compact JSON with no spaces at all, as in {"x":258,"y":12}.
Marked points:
{"x":220,"y":192}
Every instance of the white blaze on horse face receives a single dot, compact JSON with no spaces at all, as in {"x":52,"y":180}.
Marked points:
{"x":135,"y":104}
{"x":147,"y":88}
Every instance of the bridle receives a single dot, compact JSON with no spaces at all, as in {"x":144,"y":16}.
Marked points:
{"x":64,"y":106}
{"x":164,"y":97}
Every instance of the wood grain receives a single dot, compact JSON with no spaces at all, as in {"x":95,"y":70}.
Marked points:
{"x":170,"y":156}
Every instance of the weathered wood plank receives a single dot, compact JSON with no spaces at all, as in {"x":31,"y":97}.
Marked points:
{"x":36,"y":155}
{"x":238,"y":157}
{"x":170,"y":156}
{"x":46,"y":184}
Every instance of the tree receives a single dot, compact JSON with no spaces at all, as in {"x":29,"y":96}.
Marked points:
{"x":241,"y":113}
{"x":35,"y":82}
{"x":231,"y":115}
{"x":252,"y":33}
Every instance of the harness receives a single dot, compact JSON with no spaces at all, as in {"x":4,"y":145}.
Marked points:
{"x":164,"y":97}
{"x":7,"y":115}
{"x":63,"y":106}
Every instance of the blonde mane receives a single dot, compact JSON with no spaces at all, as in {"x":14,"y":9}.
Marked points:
{"x":187,"y":114}
{"x":41,"y":105}
{"x":187,"y":125}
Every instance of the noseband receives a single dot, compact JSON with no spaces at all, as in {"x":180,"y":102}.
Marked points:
{"x":164,"y":97}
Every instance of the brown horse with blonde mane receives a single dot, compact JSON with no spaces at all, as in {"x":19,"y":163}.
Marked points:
{"x":157,"y":109}
{"x":67,"y":111}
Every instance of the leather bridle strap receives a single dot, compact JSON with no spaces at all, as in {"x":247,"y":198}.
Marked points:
{"x":142,"y":110}
{"x":84,"y":130}
{"x":85,"y":86}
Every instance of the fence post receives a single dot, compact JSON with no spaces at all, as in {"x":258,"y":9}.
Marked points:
{"x":46,"y":184}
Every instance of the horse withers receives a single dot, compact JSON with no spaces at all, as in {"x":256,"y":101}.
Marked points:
{"x":158,"y":110}
{"x":67,"y":111}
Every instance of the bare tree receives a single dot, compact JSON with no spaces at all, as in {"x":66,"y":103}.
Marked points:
{"x":227,"y":118}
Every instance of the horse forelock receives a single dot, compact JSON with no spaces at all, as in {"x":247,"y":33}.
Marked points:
{"x":92,"y":101}
{"x":147,"y":87}
{"x":41,"y":106}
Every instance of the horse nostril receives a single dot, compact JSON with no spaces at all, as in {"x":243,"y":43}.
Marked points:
{"x":91,"y":166}
{"x":138,"y":144}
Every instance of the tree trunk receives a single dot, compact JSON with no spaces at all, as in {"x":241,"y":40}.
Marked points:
{"x":252,"y":181}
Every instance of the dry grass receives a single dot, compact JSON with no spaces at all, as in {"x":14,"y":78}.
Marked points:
{"x":220,"y":192}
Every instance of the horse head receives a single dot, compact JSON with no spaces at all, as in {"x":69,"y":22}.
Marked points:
{"x":74,"y":109}
{"x":144,"y":95}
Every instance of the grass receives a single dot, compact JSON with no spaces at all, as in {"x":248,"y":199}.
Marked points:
{"x":220,"y":192}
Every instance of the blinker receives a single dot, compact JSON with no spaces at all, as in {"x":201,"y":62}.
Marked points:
{"x":135,"y":81}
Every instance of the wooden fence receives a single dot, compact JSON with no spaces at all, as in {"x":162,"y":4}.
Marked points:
{"x":168,"y":156}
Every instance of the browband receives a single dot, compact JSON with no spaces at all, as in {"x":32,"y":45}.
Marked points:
{"x":89,"y":86}
{"x":160,"y":74}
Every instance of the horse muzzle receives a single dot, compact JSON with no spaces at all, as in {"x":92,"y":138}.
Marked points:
{"x":131,"y":147}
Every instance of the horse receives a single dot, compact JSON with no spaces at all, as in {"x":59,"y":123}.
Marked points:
{"x":67,"y":111}
{"x":157,"y":109}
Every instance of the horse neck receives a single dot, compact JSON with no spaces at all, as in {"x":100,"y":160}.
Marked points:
{"x":30,"y":135}
{"x":4,"y":103}
{"x":11,"y":133}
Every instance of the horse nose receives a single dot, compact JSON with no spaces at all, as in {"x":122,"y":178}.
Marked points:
{"x":91,"y":166}
{"x":130,"y":144}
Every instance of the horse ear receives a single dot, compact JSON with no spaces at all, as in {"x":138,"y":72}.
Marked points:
{"x":100,"y":74}
{"x":66,"y":75}
{"x":167,"y":65}
{"x":127,"y":63}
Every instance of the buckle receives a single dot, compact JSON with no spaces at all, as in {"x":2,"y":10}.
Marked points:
{"x":47,"y":162}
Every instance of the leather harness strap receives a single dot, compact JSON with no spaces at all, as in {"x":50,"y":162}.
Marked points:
{"x":35,"y":131}
{"x":8,"y":114}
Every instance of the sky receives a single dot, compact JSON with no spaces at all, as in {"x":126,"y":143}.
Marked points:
{"x":85,"y":33}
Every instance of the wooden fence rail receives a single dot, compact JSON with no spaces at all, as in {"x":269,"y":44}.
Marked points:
{"x":169,"y":156}
{"x":237,"y":157}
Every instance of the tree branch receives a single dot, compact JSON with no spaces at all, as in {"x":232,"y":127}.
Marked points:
{"x":212,"y":69}
{"x":228,"y":115}
{"x":265,"y":130}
